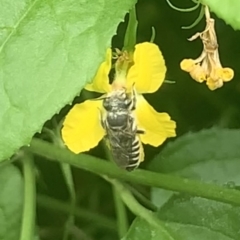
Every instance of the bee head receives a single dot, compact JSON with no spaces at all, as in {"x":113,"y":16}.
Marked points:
{"x":117,"y":100}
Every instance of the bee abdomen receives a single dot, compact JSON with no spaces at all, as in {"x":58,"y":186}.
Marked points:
{"x":134,"y":155}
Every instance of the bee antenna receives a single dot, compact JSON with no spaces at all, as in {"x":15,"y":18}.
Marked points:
{"x":97,"y":99}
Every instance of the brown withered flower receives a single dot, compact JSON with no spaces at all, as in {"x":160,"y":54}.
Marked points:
{"x":207,"y":67}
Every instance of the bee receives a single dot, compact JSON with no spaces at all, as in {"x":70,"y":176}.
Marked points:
{"x":121,"y":129}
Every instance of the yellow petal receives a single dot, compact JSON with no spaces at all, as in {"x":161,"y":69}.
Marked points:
{"x":100,"y":82}
{"x":214,"y":84}
{"x":198,"y":73}
{"x":82,"y":128}
{"x":157,"y":126}
{"x":226,"y":74}
{"x":187,"y":65}
{"x":148,"y":71}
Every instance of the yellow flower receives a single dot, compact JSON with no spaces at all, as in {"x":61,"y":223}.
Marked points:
{"x":145,"y":70}
{"x":207,"y":67}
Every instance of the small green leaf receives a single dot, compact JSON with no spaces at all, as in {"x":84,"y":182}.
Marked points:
{"x":227,"y":10}
{"x":203,"y":216}
{"x":131,"y":31}
{"x":210,"y":155}
{"x":11,"y":202}
{"x":141,"y":230}
{"x":188,"y":218}
{"x":48,"y":51}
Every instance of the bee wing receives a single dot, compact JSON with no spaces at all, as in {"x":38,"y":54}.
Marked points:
{"x":120,"y":146}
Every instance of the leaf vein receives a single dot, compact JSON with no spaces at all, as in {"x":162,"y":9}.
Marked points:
{"x":17,"y":24}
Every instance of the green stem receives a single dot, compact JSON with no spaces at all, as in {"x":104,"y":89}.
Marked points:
{"x":29,"y":205}
{"x":67,"y":172}
{"x":137,"y":208}
{"x":183,"y":9}
{"x":122,"y":220}
{"x":153,"y":35}
{"x":168,"y":182}
{"x":80,"y":213}
{"x":146,"y":202}
{"x":197,"y":20}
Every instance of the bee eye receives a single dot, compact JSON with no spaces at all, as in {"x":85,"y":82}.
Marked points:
{"x":127,"y":102}
{"x":106,"y":104}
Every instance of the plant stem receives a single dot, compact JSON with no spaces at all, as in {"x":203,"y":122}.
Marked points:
{"x":67,"y":173}
{"x":81,"y":213}
{"x":138,"y":209}
{"x":122,"y":219}
{"x":144,"y":200}
{"x":168,"y":182}
{"x":29,"y":206}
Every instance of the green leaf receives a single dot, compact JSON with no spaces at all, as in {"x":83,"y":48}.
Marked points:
{"x":188,"y":218}
{"x":211,"y":155}
{"x":227,"y":10}
{"x":141,"y":230}
{"x":48,"y":51}
{"x":11,"y":202}
{"x":202,"y":216}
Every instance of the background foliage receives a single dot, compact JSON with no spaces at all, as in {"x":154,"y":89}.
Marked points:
{"x":47,"y":53}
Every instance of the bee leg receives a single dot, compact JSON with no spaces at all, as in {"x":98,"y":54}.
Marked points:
{"x":130,"y":134}
{"x":103,"y":123}
{"x":140,"y":131}
{"x":134,"y":97}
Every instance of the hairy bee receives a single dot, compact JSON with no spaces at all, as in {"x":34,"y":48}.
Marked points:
{"x":121,"y":129}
